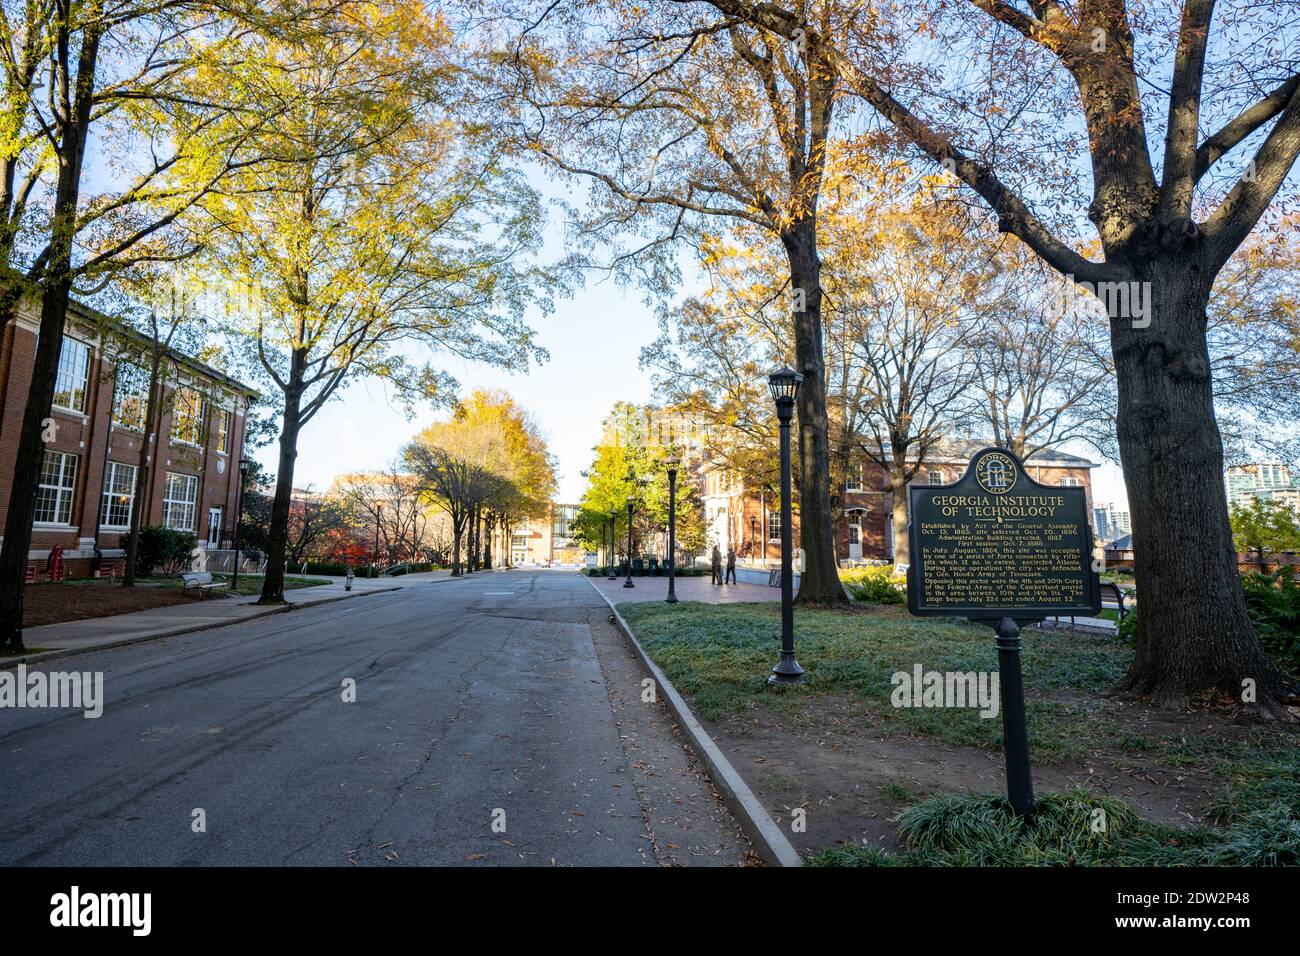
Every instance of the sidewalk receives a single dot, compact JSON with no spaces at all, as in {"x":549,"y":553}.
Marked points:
{"x":199,"y":614}
{"x":688,"y":589}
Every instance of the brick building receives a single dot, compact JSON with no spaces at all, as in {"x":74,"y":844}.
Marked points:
{"x":90,"y":474}
{"x":750,"y":521}
{"x":547,"y":540}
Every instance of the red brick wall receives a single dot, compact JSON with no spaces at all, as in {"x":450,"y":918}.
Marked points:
{"x":90,"y":436}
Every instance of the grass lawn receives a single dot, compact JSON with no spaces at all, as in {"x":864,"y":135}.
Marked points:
{"x":838,"y":746}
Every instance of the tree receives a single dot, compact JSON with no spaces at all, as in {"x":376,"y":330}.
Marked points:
{"x":1264,"y":526}
{"x":1162,"y":241}
{"x":108,"y":66}
{"x":1041,"y":366}
{"x":681,"y":118}
{"x":388,"y":227}
{"x":488,"y":459}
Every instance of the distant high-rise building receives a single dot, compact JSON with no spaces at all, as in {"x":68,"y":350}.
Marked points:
{"x":1267,"y":480}
{"x":1112,"y":522}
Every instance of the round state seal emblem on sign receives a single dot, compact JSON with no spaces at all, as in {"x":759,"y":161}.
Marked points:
{"x":996,"y":473}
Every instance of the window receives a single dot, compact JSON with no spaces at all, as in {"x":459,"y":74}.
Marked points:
{"x":223,"y":431}
{"x":179,"y":499}
{"x":214,"y":527}
{"x":855,"y":531}
{"x":935,"y":477}
{"x":118,"y":496}
{"x":774,"y":526}
{"x":130,"y":396}
{"x":1068,"y":482}
{"x":187,"y":416}
{"x":855,"y":481}
{"x":74,"y":370}
{"x":54,"y":493}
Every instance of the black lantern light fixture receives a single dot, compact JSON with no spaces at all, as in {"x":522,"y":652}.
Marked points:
{"x":672,"y":463}
{"x":784,"y":385}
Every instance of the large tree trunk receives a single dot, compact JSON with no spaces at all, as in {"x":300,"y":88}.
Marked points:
{"x":1194,"y":634}
{"x":898,"y":512}
{"x":820,"y":581}
{"x":278,"y":538}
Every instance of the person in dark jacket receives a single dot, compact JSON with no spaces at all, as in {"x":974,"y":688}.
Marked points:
{"x":717,"y":565}
{"x":731,"y":567}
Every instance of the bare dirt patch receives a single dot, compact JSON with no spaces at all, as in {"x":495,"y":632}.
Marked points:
{"x":852,"y":774}
{"x":57,"y":603}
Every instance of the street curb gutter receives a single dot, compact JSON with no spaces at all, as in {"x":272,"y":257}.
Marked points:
{"x":753,"y":817}
{"x":177,"y":632}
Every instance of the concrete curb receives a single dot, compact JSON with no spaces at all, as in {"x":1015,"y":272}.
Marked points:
{"x":177,"y":632}
{"x":753,"y":817}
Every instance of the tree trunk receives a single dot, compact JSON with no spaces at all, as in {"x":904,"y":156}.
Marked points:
{"x":30,"y":456}
{"x":457,"y":531}
{"x":143,"y":487}
{"x":1194,"y":634}
{"x":898,"y":512}
{"x":820,"y":581}
{"x":487,"y":544}
{"x":278,"y":538}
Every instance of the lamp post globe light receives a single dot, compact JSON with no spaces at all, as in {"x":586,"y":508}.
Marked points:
{"x":245,"y":466}
{"x":784,"y":385}
{"x":631,"y":503}
{"x":613,"y":546}
{"x":672,"y":463}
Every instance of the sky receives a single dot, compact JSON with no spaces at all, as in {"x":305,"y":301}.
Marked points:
{"x":594,"y":339}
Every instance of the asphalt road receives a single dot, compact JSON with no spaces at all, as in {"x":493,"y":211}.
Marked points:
{"x":485,"y":731}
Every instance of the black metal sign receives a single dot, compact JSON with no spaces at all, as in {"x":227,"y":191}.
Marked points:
{"x":1000,"y":548}
{"x":999,"y":544}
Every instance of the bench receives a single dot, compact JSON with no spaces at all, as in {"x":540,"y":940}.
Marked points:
{"x":1116,"y":594}
{"x":200,"y":581}
{"x":107,"y":570}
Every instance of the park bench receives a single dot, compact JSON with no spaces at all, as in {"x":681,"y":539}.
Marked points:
{"x":1116,"y":594}
{"x":108,"y":570}
{"x":200,"y":581}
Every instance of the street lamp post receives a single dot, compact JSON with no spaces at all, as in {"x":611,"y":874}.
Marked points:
{"x":784,"y":385}
{"x":613,"y":546}
{"x":631,"y":502}
{"x":379,"y":514}
{"x":245,"y":466}
{"x":672,"y":462}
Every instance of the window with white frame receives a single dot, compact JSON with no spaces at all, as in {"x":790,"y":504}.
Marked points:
{"x":1067,"y":481}
{"x":187,"y":415}
{"x":774,"y":526}
{"x":130,"y":396}
{"x":180,"y":496}
{"x":73,"y":373}
{"x":222,"y":424}
{"x":855,"y":480}
{"x":118,"y":496}
{"x":935,"y":477}
{"x":54,"y":493}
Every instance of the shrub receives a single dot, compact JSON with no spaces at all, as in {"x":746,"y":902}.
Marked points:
{"x":878,"y":584}
{"x":1273,"y":603}
{"x":162,"y":550}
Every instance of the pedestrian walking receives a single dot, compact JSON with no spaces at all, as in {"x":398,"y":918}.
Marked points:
{"x":731,"y":567}
{"x":717,"y":565}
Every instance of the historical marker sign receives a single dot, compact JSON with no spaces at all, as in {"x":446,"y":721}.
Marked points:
{"x":998,"y":544}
